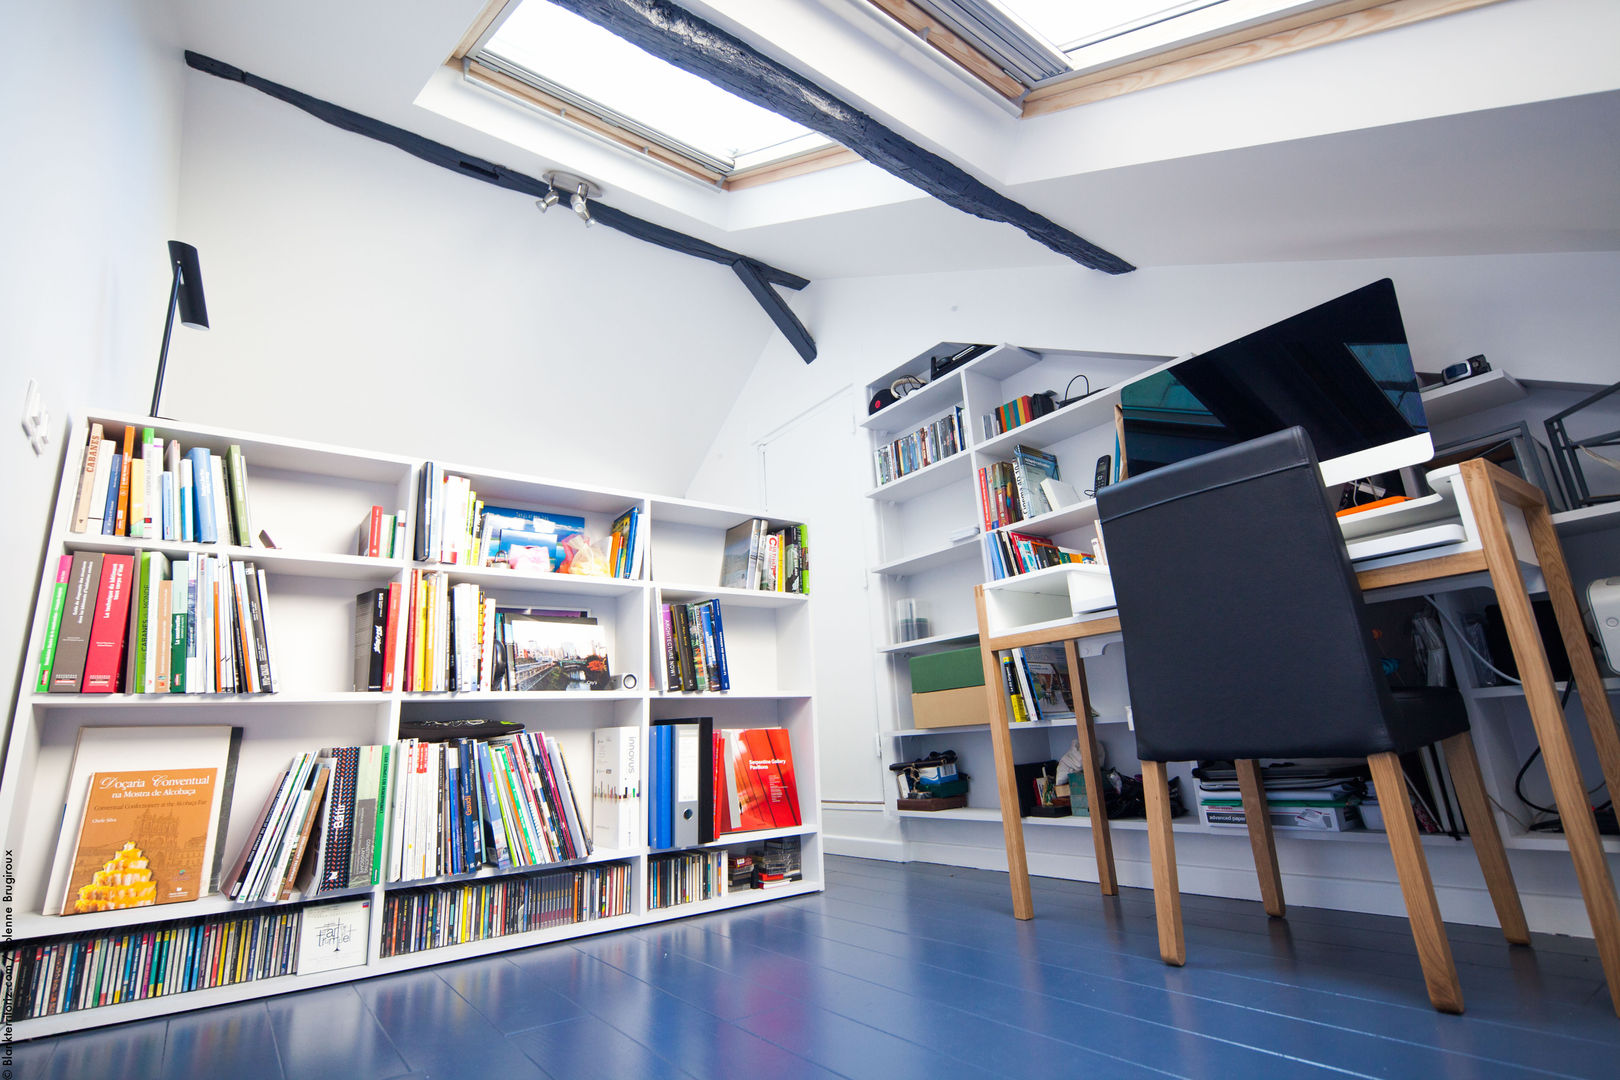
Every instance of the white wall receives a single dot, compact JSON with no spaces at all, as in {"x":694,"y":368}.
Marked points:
{"x":362,"y":297}
{"x":90,"y":126}
{"x":1538,"y":316}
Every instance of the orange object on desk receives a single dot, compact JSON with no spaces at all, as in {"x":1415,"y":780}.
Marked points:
{"x":1391,"y":501}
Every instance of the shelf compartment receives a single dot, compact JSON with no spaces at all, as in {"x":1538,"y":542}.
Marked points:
{"x":926,"y":402}
{"x":958,"y":551}
{"x":667,"y":511}
{"x":1474,"y":394}
{"x":1052,"y":523}
{"x":951,"y":470}
{"x":33,"y":925}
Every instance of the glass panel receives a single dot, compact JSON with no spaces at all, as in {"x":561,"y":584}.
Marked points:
{"x":1067,"y":24}
{"x":595,"y":63}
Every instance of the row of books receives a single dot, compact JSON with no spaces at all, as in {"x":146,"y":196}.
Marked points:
{"x":744,"y":781}
{"x":1014,"y":553}
{"x":138,"y":624}
{"x":1037,"y":683}
{"x":1324,"y":797}
{"x":453,"y":525}
{"x":381,"y":536}
{"x":686,"y":878}
{"x":756,"y":557}
{"x":935,"y":441}
{"x":455,"y":637}
{"x":507,"y":801}
{"x":695,"y":648}
{"x":1025,"y":487}
{"x":419,"y":919}
{"x":322,"y":830}
{"x":1016,"y":413}
{"x":88,"y":971}
{"x":147,"y":487}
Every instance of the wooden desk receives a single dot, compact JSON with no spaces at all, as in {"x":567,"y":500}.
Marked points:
{"x":1488,"y":488}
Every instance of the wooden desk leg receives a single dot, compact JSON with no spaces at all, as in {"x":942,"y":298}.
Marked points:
{"x":1572,"y":628}
{"x":1162,"y":850}
{"x":1012,"y":826}
{"x":1569,"y":790}
{"x":1261,"y":838}
{"x":1417,"y":888}
{"x":1493,"y":861}
{"x":1096,"y":803}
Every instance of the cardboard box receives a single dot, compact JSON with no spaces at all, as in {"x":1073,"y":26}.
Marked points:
{"x":951,"y":708}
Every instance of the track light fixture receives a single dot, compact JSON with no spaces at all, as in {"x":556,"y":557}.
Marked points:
{"x":579,"y":201}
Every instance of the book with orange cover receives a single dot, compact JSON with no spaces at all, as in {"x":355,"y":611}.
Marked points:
{"x":143,"y":840}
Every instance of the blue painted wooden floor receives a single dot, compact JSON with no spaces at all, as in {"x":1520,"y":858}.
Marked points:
{"x":906,"y":973}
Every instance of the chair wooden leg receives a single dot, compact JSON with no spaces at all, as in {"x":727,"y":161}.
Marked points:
{"x":1086,"y":733}
{"x":1261,"y":839}
{"x":1162,"y":845}
{"x":1422,"y":910}
{"x":1493,"y":860}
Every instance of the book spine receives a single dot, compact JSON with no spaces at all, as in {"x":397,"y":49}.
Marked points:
{"x":171,"y":490}
{"x":722,"y":668}
{"x":87,"y":480}
{"x":222,"y":501}
{"x":239,"y":498}
{"x":152,"y":476}
{"x":393,"y":625}
{"x":125,"y":460}
{"x":53,"y":625}
{"x":107,"y":517}
{"x":78,"y":615}
{"x":203,"y":492}
{"x":672,"y":670}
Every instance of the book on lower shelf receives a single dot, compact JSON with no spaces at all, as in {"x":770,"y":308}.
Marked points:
{"x":705,"y":783}
{"x":616,"y":788}
{"x":143,"y":817}
{"x":141,"y":483}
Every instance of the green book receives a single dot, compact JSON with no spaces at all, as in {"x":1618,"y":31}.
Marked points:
{"x":141,"y":598}
{"x":380,"y":834}
{"x":47,"y":649}
{"x":239,"y":510}
{"x":177,"y":635}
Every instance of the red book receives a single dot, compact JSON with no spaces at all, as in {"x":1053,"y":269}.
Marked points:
{"x":391,"y":635}
{"x":410,"y":640}
{"x":984,"y":500}
{"x":105,"y":660}
{"x":767,"y":795}
{"x":371,"y":533}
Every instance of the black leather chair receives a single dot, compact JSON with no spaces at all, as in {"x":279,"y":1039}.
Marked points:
{"x":1246,"y":637}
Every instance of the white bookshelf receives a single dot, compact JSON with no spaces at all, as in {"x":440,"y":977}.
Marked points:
{"x":310,"y":498}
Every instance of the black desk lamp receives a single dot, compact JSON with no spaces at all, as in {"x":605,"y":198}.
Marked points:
{"x":187,"y":291}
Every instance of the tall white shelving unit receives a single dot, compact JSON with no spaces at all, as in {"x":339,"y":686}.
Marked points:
{"x":310,"y":498}
{"x":915,"y":513}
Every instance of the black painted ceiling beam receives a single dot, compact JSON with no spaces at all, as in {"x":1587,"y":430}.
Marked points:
{"x":776,"y":308}
{"x":695,"y":45}
{"x":477,"y":168}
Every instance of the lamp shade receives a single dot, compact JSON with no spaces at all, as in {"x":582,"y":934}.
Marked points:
{"x":193,"y":308}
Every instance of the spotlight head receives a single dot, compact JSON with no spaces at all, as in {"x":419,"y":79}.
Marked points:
{"x":548,"y":200}
{"x":580,"y":206}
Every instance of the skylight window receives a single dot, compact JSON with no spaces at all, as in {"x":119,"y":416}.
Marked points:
{"x":595,"y":71}
{"x":1039,"y":40}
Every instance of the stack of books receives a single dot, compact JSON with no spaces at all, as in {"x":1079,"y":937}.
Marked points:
{"x":468,"y":803}
{"x":695,"y":648}
{"x":933,"y":442}
{"x":1316,"y":797}
{"x":756,"y":557}
{"x":323,"y":829}
{"x":453,"y":525}
{"x":778,"y":864}
{"x":138,"y":624}
{"x":1014,"y":553}
{"x":148,"y":487}
{"x":431,"y":918}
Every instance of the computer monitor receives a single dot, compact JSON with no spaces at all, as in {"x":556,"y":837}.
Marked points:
{"x":1341,"y":371}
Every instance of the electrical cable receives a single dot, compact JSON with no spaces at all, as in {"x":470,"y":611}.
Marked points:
{"x":1071,"y":383}
{"x":1462,"y":637}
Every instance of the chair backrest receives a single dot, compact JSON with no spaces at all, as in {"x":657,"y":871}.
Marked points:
{"x":1245,"y":631}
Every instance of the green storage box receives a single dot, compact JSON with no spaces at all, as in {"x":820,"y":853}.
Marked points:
{"x":949,"y":670}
